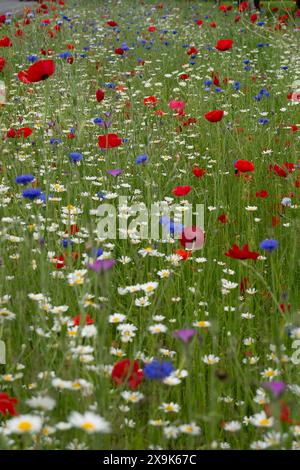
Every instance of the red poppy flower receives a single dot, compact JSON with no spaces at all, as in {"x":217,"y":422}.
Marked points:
{"x":7,"y":404}
{"x":243,"y":6}
{"x":263,"y":193}
{"x":150,"y":101}
{"x":223,"y":218}
{"x":192,"y":238}
{"x":40,"y":70}
{"x":59,"y":261}
{"x":214,"y":116}
{"x":282,"y":170}
{"x":244,"y":253}
{"x":213,"y":24}
{"x":73,"y":229}
{"x":2,"y":19}
{"x":184,"y":255}
{"x":237,"y":18}
{"x":216,"y":80}
{"x":181,"y":190}
{"x":5,"y":42}
{"x":190,"y":121}
{"x":244,"y":165}
{"x":119,"y":51}
{"x":198,"y":172}
{"x":112,"y":23}
{"x":127,"y":372}
{"x":199,"y":22}
{"x":253,"y":17}
{"x":2,"y":63}
{"x":224,"y":44}
{"x":19,"y":33}
{"x":109,"y":141}
{"x":151,"y":29}
{"x":86,"y":321}
{"x":192,"y":51}
{"x":100,"y":95}
{"x":293,"y":127}
{"x":184,"y":76}
{"x":285,"y":412}
{"x":23,"y":132}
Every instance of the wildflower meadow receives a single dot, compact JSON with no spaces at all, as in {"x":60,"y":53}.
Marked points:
{"x":149,"y":235}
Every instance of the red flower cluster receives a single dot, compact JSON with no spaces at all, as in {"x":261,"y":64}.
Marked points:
{"x":214,"y":116}
{"x":244,"y":166}
{"x":40,"y":70}
{"x":100,"y":95}
{"x":150,"y":101}
{"x":224,"y":44}
{"x":127,"y":372}
{"x":181,"y":190}
{"x":87,"y":320}
{"x":7,"y":404}
{"x":2,"y":63}
{"x":244,"y":253}
{"x":109,"y":141}
{"x":23,"y":132}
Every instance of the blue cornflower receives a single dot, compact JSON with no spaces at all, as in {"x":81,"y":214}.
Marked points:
{"x":31,"y":193}
{"x":55,"y":141}
{"x":156,"y":370}
{"x":98,"y":120}
{"x":141,"y":159}
{"x":24,"y":179}
{"x":208,"y":82}
{"x":32,"y":58}
{"x":262,"y":121}
{"x":236,"y":86}
{"x":99,"y":252}
{"x":269,"y":245}
{"x":65,"y":243}
{"x":64,"y":55}
{"x":76,"y":157}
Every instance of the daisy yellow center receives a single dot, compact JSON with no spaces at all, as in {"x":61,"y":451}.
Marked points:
{"x":76,"y":385}
{"x":264,"y":422}
{"x":149,"y":288}
{"x":25,"y":426}
{"x":188,"y":429}
{"x":88,"y":426}
{"x":270,"y":373}
{"x":169,"y":408}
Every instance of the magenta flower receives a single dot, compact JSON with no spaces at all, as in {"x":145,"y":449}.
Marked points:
{"x":115,"y":172}
{"x":276,"y":388}
{"x":185,"y":335}
{"x":101,"y":265}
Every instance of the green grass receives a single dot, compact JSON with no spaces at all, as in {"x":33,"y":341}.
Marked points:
{"x":38,"y":345}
